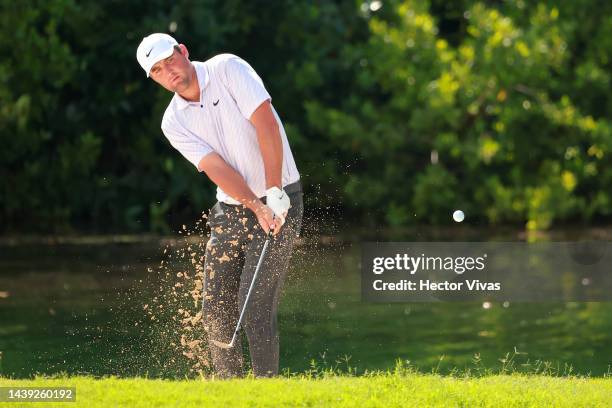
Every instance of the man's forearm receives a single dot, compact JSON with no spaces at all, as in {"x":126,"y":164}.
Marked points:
{"x":270,"y":143}
{"x":229,"y":180}
{"x":271,"y":148}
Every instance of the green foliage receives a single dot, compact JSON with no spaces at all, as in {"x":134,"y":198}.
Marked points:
{"x":434,"y":194}
{"x":398,"y":112}
{"x":492,"y":124}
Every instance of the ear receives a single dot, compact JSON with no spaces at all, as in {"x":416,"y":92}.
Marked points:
{"x":184,"y":50}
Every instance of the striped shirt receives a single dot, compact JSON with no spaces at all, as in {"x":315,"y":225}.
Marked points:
{"x":230,"y":91}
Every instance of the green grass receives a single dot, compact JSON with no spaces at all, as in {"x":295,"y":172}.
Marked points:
{"x":391,"y":389}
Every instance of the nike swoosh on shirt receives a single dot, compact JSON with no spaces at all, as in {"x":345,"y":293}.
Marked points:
{"x":215,"y":103}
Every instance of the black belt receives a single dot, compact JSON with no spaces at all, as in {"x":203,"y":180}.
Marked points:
{"x":293,"y":187}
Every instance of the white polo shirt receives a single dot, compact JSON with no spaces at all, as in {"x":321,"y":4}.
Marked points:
{"x":230,"y":91}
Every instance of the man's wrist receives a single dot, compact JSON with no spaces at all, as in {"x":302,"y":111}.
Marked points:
{"x":254,"y":204}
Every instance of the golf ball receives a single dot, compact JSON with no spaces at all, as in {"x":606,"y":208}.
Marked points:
{"x":458,"y":216}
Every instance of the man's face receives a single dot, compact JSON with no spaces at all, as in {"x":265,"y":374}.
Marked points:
{"x":174,"y":72}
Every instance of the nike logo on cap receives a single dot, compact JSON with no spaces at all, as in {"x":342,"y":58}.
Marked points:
{"x":150,"y":51}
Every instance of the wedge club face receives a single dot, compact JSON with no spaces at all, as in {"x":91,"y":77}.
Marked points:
{"x":224,"y":345}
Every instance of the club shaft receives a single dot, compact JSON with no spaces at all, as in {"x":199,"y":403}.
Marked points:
{"x":246,"y":300}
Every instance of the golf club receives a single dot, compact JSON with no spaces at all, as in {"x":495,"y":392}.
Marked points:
{"x":246,"y":301}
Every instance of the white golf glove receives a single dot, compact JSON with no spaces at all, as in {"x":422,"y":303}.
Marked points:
{"x":279,"y":203}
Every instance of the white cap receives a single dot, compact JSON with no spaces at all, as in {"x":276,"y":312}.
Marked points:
{"x":153,"y":48}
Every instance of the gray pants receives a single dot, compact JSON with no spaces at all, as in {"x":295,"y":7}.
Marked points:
{"x":232,"y":253}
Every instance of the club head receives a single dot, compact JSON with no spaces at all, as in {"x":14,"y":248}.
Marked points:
{"x":222,"y":345}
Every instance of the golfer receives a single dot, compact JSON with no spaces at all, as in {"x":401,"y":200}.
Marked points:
{"x":221,"y":119}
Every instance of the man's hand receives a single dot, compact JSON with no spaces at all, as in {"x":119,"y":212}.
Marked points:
{"x":265,"y":217}
{"x":279,"y":202}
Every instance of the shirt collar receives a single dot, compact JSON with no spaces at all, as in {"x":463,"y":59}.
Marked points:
{"x":203,"y":80}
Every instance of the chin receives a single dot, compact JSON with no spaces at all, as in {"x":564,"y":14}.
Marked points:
{"x":175,"y":88}
{"x":181,"y":86}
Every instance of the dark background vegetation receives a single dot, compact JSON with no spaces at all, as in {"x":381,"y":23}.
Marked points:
{"x":397,"y":112}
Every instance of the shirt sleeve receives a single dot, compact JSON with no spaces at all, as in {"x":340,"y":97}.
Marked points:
{"x":245,"y":85}
{"x":188,"y":144}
